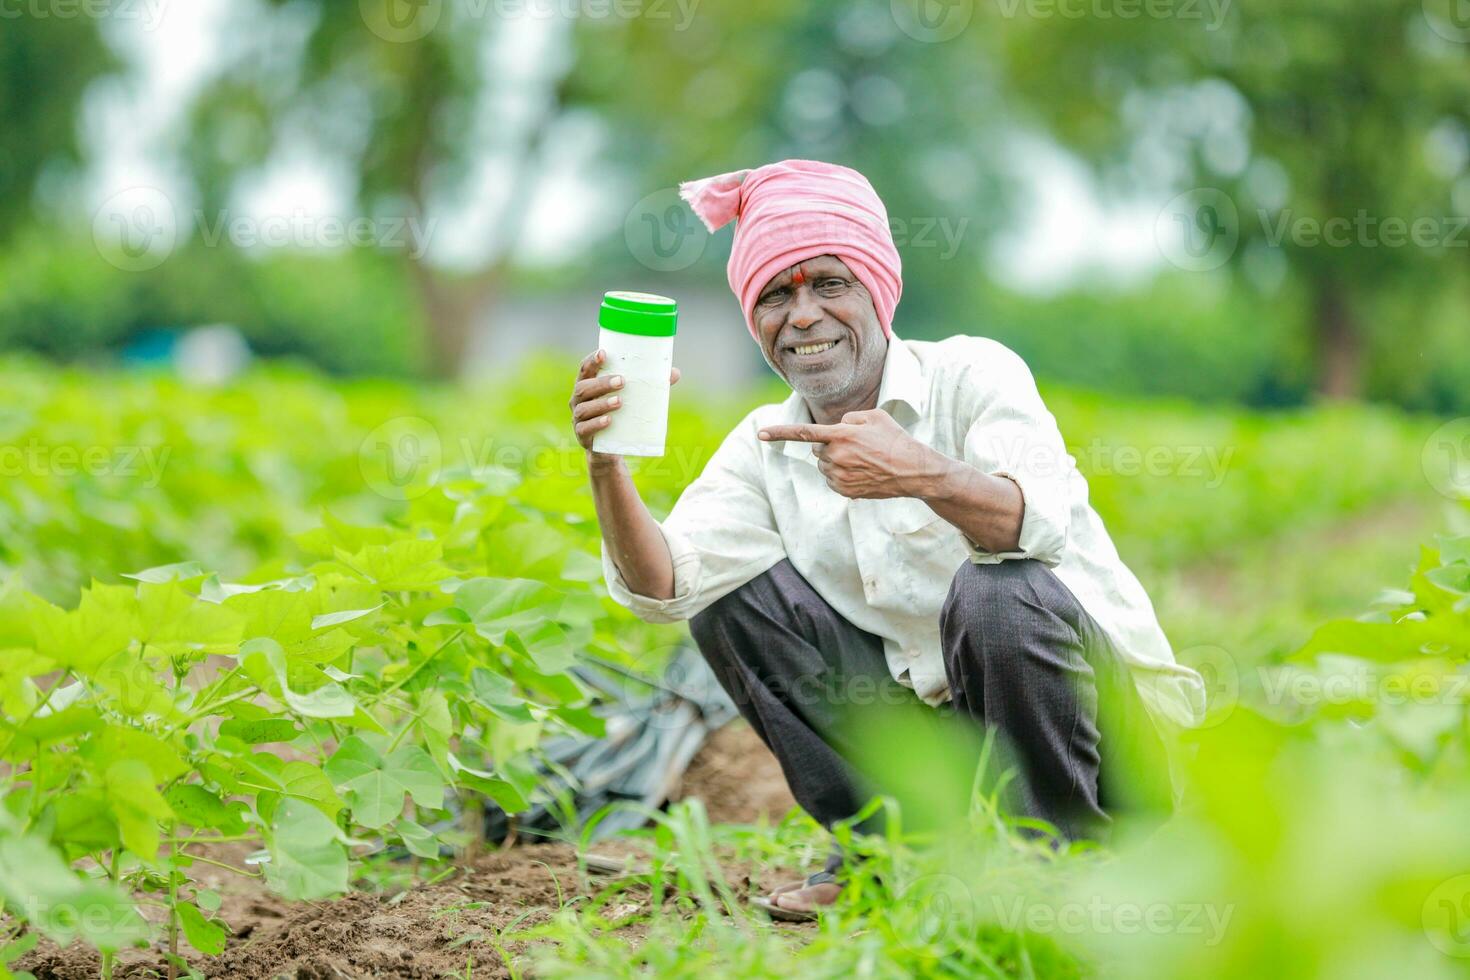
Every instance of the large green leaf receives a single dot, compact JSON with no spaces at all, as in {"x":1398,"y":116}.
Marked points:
{"x":298,"y":780}
{"x":1388,"y":642}
{"x":115,"y":742}
{"x":177,"y":622}
{"x":136,"y":685}
{"x":498,"y":694}
{"x":1454,"y":549}
{"x":83,"y":821}
{"x":527,"y":549}
{"x":205,"y":935}
{"x":59,"y":726}
{"x":506,"y":794}
{"x":412,"y":564}
{"x":436,"y":724}
{"x":137,"y":806}
{"x":103,"y":623}
{"x":495,"y":605}
{"x":326,"y":620}
{"x":260,"y":730}
{"x":375,"y":786}
{"x":308,"y":859}
{"x":419,"y":840}
{"x":35,"y":881}
{"x":183,"y":571}
{"x":198,"y":807}
{"x":265,"y":661}
{"x":546,"y":645}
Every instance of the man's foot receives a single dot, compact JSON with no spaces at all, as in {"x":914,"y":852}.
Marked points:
{"x":800,"y":901}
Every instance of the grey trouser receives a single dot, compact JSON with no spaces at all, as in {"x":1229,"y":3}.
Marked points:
{"x":1021,"y":655}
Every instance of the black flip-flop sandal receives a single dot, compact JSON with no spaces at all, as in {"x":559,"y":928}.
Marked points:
{"x":794,"y":915}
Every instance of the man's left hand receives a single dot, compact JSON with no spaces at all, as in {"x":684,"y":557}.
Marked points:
{"x":866,"y":455}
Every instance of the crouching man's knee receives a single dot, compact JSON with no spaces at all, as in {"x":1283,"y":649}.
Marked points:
{"x":998,"y":599}
{"x":1007,"y":620}
{"x":736,"y":611}
{"x":707,"y":624}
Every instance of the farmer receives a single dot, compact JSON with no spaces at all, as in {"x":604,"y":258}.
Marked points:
{"x":908,"y":515}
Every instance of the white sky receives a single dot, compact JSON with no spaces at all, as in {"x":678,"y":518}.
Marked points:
{"x":1067,"y":233}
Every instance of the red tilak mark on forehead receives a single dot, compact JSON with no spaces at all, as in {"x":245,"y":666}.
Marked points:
{"x":797,"y":278}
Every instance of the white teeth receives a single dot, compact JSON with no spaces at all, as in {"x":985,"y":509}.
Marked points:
{"x":816,"y":348}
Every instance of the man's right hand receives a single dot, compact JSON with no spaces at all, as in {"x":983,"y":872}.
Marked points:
{"x":634,"y":541}
{"x":595,"y":397}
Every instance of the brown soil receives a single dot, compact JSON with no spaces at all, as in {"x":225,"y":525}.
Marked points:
{"x":433,"y":930}
{"x":738,"y":778}
{"x":424,"y":932}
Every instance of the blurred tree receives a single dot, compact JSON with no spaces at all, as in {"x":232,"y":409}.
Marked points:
{"x":416,"y":98}
{"x":410,"y":99}
{"x":46,"y":64}
{"x":1283,"y":117}
{"x":853,"y":83}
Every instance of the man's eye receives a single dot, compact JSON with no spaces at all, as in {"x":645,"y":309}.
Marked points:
{"x":832,"y":285}
{"x":774,"y":296}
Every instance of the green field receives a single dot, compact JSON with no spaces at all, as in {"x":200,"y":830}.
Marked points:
{"x":295,"y":612}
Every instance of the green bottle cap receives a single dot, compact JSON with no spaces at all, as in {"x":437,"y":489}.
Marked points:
{"x":640,"y":313}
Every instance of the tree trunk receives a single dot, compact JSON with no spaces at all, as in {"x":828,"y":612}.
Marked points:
{"x":451,"y":308}
{"x":451,"y":304}
{"x":1339,"y":346}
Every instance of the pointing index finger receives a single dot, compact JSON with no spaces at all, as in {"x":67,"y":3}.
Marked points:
{"x":799,"y":433}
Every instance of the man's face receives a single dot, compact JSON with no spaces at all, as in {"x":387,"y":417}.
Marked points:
{"x":819,"y":330}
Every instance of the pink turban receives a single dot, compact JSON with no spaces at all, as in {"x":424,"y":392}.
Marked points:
{"x":796,"y":210}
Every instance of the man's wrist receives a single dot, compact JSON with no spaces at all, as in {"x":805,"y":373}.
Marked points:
{"x":604,"y":464}
{"x":937,"y":477}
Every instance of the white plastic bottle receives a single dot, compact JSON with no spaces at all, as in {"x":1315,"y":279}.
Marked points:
{"x":637,"y":331}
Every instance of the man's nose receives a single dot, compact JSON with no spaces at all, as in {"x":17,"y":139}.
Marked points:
{"x":804,"y":310}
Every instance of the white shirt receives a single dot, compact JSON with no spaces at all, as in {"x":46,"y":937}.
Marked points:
{"x":886,"y":565}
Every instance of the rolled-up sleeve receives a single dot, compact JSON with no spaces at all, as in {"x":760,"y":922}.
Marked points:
{"x":1014,"y":435}
{"x":721,"y":534}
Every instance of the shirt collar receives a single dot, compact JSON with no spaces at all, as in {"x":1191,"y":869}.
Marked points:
{"x":903,"y":382}
{"x":903,"y":385}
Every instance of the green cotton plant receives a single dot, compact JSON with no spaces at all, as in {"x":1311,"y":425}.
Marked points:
{"x":312,"y":694}
{"x":1324,"y":829}
{"x":1405,"y":665}
{"x":173,"y":472}
{"x":1320,"y":834}
{"x":338,"y":708}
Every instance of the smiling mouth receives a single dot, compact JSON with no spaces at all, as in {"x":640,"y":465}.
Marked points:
{"x":808,"y":350}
